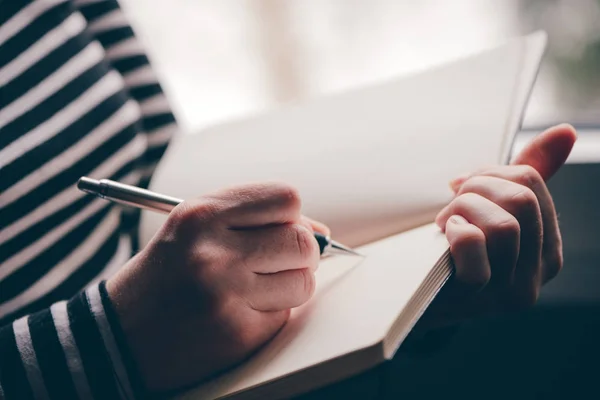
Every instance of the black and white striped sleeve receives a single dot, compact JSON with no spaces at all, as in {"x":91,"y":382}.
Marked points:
{"x":72,"y":350}
{"x":109,"y":25}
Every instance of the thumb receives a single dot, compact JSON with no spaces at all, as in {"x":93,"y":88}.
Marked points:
{"x":548,"y":151}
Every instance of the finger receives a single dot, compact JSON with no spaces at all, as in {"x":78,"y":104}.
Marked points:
{"x":548,"y":151}
{"x":500,"y":228}
{"x":522,"y":203}
{"x":276,"y":248}
{"x":281,"y":290}
{"x":256,"y":205}
{"x":469,"y":253}
{"x":551,"y":240}
{"x":316,"y":226}
{"x":465,"y":295}
{"x":456,"y":183}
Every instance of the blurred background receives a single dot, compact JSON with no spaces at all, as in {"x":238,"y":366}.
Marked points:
{"x":221,"y":59}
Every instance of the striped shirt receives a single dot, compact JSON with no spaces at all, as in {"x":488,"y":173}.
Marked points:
{"x":77,"y":97}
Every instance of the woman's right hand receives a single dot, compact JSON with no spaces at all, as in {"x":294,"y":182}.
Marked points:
{"x":215,"y":283}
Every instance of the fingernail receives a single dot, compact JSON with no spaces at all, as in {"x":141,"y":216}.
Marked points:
{"x":457,"y":219}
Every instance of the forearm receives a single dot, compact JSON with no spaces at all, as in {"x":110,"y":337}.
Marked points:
{"x":70,"y":350}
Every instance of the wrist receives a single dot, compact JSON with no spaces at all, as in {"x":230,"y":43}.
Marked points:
{"x":143,"y":316}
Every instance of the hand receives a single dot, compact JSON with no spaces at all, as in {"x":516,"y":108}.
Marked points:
{"x":503,"y":233}
{"x":215,"y":283}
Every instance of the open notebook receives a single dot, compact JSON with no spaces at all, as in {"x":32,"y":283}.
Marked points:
{"x":374,"y":164}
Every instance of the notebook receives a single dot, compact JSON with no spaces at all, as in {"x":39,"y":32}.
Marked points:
{"x":374,"y":164}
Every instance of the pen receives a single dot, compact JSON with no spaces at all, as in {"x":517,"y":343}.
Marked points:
{"x":141,"y":198}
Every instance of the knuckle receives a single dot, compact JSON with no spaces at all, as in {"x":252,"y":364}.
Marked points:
{"x":205,"y":210}
{"x":473,"y":183}
{"x":525,"y":200}
{"x":180,"y":215}
{"x":288,"y":195}
{"x":506,"y":230}
{"x":192,"y":213}
{"x":465,"y":201}
{"x":467,"y":198}
{"x":179,"y":225}
{"x":529,"y":176}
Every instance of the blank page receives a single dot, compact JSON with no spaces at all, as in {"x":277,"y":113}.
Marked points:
{"x":370,"y":162}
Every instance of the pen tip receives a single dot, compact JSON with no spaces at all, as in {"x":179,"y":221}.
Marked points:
{"x":341,"y":249}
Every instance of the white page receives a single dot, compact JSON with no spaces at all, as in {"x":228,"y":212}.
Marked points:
{"x":354,"y":306}
{"x":534,"y":45}
{"x":370,"y":162}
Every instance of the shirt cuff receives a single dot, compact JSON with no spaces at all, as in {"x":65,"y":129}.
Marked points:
{"x":69,"y":350}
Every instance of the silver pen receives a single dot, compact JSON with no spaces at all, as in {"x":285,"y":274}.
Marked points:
{"x":141,"y":198}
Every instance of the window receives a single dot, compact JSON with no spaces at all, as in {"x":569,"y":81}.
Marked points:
{"x":220,"y":59}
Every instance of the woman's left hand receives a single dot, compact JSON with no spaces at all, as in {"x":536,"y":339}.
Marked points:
{"x":503,"y":233}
